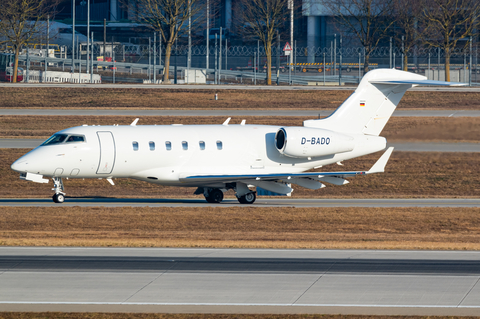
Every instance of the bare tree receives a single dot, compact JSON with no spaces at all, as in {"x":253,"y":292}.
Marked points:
{"x":262,"y":19}
{"x":168,"y":17}
{"x":449,"y":21}
{"x":368,"y":21}
{"x":21,"y":21}
{"x":407,"y":14}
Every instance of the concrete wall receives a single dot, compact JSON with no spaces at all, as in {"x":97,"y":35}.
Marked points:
{"x":455,"y":75}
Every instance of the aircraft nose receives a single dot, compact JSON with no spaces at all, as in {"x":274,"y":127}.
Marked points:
{"x":19,"y":165}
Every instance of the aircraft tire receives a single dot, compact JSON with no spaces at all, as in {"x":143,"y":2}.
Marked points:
{"x":214,"y":196}
{"x":58,"y":198}
{"x":247,"y":198}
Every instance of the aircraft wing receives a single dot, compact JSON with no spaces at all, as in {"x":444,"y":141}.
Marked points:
{"x":336,"y":178}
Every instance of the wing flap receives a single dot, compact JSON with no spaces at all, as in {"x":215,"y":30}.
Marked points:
{"x":265,"y":177}
{"x":336,"y":178}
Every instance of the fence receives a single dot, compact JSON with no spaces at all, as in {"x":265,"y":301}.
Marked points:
{"x":246,"y":60}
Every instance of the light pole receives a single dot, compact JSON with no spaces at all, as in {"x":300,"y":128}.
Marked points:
{"x":176,"y":54}
{"x":391,"y":45}
{"x":189,"y":57}
{"x":208,"y":35}
{"x":470,"y":63}
{"x":88,"y":36}
{"x":91,"y":65}
{"x":73,"y":36}
{"x":290,"y":6}
{"x":154,"y":57}
{"x":47,"y":43}
{"x":220,"y":57}
{"x":215,"y":72}
{"x":88,"y":32}
{"x":149,"y":59}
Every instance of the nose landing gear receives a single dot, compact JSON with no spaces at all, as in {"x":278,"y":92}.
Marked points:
{"x":59,"y":196}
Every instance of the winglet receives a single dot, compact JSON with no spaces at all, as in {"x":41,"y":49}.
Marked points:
{"x":134,"y":123}
{"x":379,"y":166}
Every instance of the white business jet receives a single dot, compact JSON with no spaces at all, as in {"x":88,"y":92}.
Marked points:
{"x":216,"y":158}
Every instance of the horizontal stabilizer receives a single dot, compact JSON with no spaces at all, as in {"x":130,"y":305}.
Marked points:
{"x":418,"y":82}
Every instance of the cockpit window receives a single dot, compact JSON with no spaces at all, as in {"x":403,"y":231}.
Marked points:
{"x":64,"y":138}
{"x":75,"y":138}
{"x":55,"y":139}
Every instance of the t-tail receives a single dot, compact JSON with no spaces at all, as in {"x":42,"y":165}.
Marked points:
{"x":369,"y":108}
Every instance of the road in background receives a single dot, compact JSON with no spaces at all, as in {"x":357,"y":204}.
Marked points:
{"x":216,"y":112}
{"x":228,"y":87}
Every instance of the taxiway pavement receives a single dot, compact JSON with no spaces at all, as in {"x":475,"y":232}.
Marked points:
{"x":260,"y":202}
{"x":240,"y":281}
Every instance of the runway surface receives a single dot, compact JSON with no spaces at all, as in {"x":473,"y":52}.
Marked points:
{"x":216,"y":112}
{"x":260,"y":202}
{"x":399,"y":147}
{"x":240,"y":281}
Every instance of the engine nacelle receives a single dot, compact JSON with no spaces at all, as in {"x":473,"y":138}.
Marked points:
{"x":302,"y":142}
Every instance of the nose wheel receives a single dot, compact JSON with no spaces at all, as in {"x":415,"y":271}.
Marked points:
{"x":59,"y":196}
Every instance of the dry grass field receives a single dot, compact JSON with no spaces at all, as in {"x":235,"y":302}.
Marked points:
{"x":243,"y":227}
{"x":450,"y":129}
{"x":204,"y":99}
{"x":54,"y":315}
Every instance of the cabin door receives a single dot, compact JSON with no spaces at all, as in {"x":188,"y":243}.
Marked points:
{"x":107,"y":152}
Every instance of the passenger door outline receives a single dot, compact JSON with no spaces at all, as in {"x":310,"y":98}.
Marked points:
{"x":107,"y":152}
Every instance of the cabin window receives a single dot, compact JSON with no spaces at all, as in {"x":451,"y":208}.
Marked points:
{"x":219,"y":145}
{"x":168,"y":145}
{"x":185,"y":145}
{"x":202,"y":145}
{"x":152,"y":146}
{"x":135,"y":146}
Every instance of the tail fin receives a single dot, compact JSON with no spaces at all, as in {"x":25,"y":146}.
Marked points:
{"x":369,"y":108}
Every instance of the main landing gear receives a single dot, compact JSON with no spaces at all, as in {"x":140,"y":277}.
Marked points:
{"x":215,"y":195}
{"x":59,"y":196}
{"x":248,"y":198}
